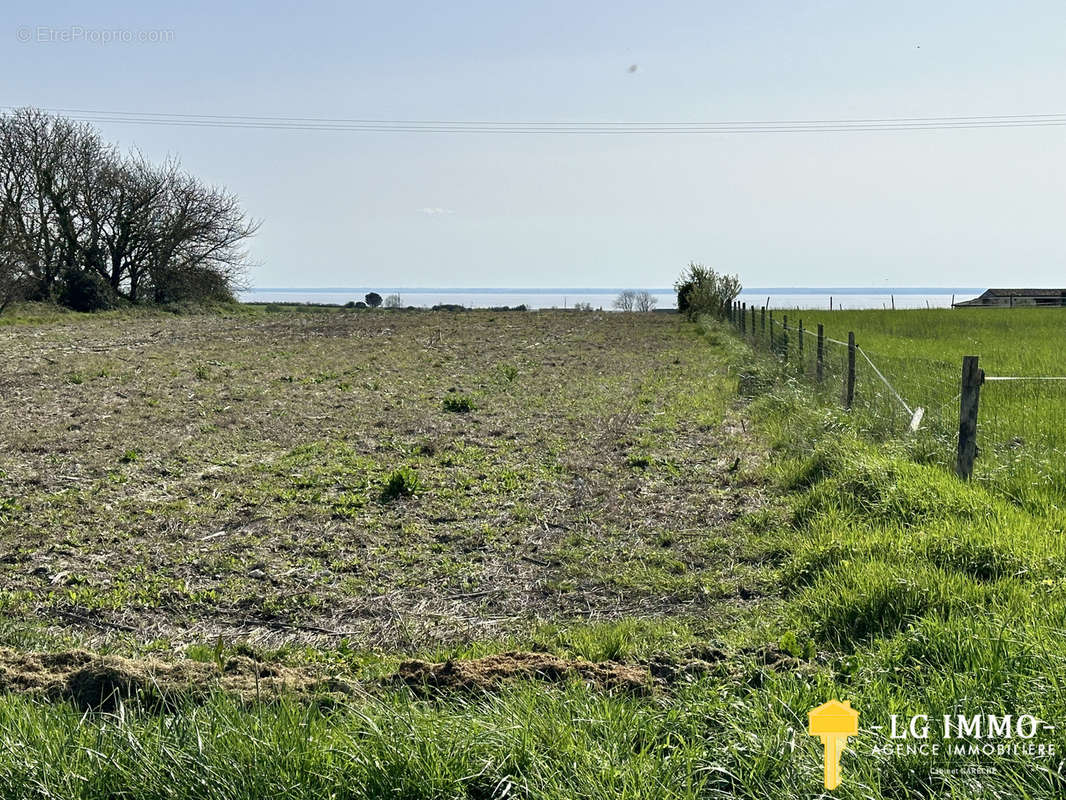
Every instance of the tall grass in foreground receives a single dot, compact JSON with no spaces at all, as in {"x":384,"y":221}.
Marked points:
{"x":710,"y":740}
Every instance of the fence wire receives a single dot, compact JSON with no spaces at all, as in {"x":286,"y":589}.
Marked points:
{"x":1022,"y":419}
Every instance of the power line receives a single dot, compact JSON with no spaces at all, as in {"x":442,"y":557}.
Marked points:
{"x":497,"y":122}
{"x":350,"y":125}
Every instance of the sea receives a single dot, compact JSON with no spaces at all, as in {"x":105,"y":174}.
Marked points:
{"x":786,"y":297}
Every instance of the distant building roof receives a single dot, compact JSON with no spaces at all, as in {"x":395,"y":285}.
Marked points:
{"x":996,"y":297}
{"x":1025,"y":293}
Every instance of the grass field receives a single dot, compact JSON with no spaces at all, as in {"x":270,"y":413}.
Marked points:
{"x":260,"y":516}
{"x":1022,"y":430}
{"x":957,"y":591}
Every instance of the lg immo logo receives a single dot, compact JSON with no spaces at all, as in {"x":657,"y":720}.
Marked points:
{"x":954,"y":737}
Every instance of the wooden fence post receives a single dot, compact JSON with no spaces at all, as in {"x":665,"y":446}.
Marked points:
{"x":784,"y":336}
{"x":744,"y":318}
{"x":972,"y":378}
{"x":753,"y":320}
{"x":849,"y":396}
{"x":799,"y":345}
{"x":771,"y":330}
{"x":821,"y":353}
{"x":763,"y":317}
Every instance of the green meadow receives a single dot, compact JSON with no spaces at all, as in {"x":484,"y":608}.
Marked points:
{"x":941,"y":597}
{"x":624,"y":489}
{"x":1022,"y":423}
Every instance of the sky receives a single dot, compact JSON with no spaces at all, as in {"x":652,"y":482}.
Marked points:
{"x":957,"y":207}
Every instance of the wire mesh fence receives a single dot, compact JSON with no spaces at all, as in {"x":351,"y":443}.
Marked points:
{"x":1022,"y":418}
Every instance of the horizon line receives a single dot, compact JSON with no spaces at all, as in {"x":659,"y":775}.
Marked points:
{"x":606,"y":289}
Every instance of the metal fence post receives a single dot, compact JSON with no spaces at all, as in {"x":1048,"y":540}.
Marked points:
{"x":972,"y":378}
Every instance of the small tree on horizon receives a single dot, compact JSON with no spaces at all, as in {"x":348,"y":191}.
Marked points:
{"x":393,"y":301}
{"x":626,"y":300}
{"x":645,"y":301}
{"x":373,"y":299}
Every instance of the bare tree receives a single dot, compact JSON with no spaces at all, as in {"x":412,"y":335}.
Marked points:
{"x":626,"y":301}
{"x":393,"y":301}
{"x":198,"y":242}
{"x":12,"y":276}
{"x":13,"y":272}
{"x":72,"y":204}
{"x":645,"y":301}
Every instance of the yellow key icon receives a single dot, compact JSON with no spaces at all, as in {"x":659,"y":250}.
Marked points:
{"x":833,"y":723}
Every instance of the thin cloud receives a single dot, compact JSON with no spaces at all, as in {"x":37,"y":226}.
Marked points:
{"x":437,"y":212}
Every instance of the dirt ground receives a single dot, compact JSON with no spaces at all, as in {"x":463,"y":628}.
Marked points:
{"x":315,"y":477}
{"x":101,"y":682}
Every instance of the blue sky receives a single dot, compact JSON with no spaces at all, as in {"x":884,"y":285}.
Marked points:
{"x":933,"y":208}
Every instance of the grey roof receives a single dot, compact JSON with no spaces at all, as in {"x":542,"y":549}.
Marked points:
{"x":1025,"y":293}
{"x":991,"y":296}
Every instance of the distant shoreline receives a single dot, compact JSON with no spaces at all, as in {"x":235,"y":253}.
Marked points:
{"x":842,"y":290}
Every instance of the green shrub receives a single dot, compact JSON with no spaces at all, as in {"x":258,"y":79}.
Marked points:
{"x":190,"y":284}
{"x":702,"y":290}
{"x":83,"y":290}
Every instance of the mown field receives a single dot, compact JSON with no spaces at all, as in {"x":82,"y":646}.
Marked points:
{"x":337,"y":554}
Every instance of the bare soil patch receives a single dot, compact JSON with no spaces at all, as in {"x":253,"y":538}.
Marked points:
{"x":490,"y":672}
{"x":660,"y":671}
{"x":100,"y":683}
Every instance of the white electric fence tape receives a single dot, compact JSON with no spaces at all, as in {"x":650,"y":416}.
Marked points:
{"x":1025,"y":378}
